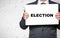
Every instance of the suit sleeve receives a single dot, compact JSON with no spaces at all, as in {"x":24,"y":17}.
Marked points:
{"x":22,"y":24}
{"x":59,"y":20}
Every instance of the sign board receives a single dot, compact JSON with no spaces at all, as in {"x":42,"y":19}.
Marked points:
{"x":41,"y":14}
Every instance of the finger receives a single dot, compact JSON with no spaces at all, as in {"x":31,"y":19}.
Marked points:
{"x":58,"y":17}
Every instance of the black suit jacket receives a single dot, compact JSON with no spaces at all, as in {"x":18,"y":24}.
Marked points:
{"x":42,"y":31}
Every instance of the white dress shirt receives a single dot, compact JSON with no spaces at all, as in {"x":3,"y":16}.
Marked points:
{"x":46,"y":2}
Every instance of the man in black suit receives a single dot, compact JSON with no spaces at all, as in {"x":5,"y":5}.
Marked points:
{"x":42,"y":31}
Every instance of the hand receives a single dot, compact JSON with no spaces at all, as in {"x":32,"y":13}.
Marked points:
{"x":25,"y":15}
{"x":57,"y":16}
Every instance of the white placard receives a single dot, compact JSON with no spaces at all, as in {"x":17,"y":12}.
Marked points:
{"x":42,"y":14}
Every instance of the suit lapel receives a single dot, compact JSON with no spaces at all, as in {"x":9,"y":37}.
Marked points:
{"x":50,"y":2}
{"x":36,"y":2}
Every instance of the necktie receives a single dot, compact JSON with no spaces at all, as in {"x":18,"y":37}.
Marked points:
{"x":43,"y":3}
